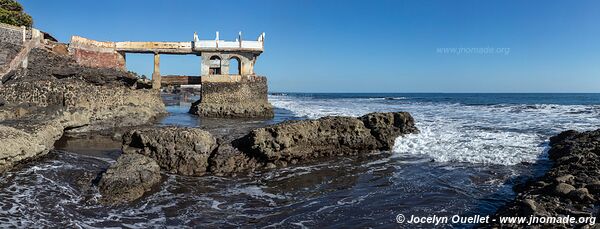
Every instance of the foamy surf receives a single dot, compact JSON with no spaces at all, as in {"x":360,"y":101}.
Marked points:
{"x":504,"y":134}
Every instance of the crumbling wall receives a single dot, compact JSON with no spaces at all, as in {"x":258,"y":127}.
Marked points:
{"x":172,"y":80}
{"x":11,"y":42}
{"x":11,"y":34}
{"x":96,"y":54}
{"x":233,"y":96}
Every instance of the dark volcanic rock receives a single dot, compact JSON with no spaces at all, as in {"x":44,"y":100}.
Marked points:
{"x":191,"y":151}
{"x":386,"y":127}
{"x":55,"y":94}
{"x":178,"y":150}
{"x":44,"y":64}
{"x":570,"y":187}
{"x":113,"y":98}
{"x":129,"y":178}
{"x":227,"y":160}
{"x":294,"y":141}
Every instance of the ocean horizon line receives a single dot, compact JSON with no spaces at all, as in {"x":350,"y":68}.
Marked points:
{"x":289,"y":92}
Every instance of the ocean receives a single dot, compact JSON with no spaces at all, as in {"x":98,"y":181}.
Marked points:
{"x":471,"y":150}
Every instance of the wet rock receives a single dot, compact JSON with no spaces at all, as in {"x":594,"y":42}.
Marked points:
{"x":295,"y":141}
{"x":228,"y":160}
{"x":386,"y":127}
{"x":33,"y":135}
{"x":593,"y":188}
{"x":580,"y":194}
{"x":530,"y":207}
{"x":178,"y":150}
{"x":330,"y":136}
{"x":573,"y":183}
{"x":195,"y":152}
{"x":565,"y":179}
{"x":563,"y":189}
{"x":128,"y":179}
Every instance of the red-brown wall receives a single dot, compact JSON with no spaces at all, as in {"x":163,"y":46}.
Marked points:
{"x":179,"y":80}
{"x":99,"y":54}
{"x":99,"y":59}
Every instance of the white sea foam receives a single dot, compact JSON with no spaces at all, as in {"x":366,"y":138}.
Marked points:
{"x":496,"y":134}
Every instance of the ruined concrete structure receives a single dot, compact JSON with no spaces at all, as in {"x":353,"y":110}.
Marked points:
{"x":96,"y":54}
{"x":231,"y":90}
{"x":172,"y":80}
{"x":15,"y":45}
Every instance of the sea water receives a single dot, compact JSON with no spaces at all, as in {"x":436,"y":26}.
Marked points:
{"x":471,"y":150}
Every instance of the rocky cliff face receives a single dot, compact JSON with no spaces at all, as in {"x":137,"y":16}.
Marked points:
{"x":570,"y":187}
{"x":113,"y":97}
{"x":54,"y":93}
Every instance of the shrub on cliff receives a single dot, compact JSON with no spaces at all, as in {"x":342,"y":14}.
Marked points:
{"x":11,"y":12}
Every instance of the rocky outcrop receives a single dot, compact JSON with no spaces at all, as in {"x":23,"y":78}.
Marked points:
{"x":228,"y":160}
{"x":128,"y":179}
{"x":34,"y":134}
{"x":54,"y":94}
{"x":114,"y":98}
{"x":189,"y":151}
{"x":232,"y":110}
{"x":195,"y":152}
{"x":294,"y":141}
{"x":386,"y":127}
{"x":8,"y":51}
{"x":571,"y":187}
{"x":241,"y":98}
{"x":178,"y":150}
{"x":11,"y":112}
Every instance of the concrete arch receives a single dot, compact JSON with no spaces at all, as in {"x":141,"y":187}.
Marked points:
{"x":235,"y":69}
{"x":216,"y":64}
{"x":246,"y":62}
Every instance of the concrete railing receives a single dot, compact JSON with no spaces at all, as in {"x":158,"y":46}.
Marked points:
{"x":194,"y":46}
{"x":188,"y":47}
{"x":154,"y":47}
{"x":211,"y":45}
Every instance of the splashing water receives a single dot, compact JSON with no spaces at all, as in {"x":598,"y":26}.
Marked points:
{"x":470,"y":152}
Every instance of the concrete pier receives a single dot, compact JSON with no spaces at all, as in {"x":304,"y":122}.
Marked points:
{"x":228,"y":90}
{"x":156,"y":72}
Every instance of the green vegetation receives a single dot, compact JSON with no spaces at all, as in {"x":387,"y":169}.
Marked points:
{"x":11,"y":12}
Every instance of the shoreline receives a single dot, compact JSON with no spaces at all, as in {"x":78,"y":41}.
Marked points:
{"x":570,"y":188}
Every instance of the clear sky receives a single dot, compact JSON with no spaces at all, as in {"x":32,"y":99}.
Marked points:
{"x":362,"y":46}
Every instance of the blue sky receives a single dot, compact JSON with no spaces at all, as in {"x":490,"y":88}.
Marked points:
{"x":362,"y":46}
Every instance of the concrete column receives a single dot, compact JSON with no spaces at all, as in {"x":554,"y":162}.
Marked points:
{"x":24,"y":31}
{"x":204,"y":65}
{"x":225,"y":65}
{"x":247,"y":66}
{"x":121,"y":60}
{"x":156,"y":72}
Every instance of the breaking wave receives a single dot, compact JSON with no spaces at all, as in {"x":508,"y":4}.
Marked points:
{"x":504,"y":134}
